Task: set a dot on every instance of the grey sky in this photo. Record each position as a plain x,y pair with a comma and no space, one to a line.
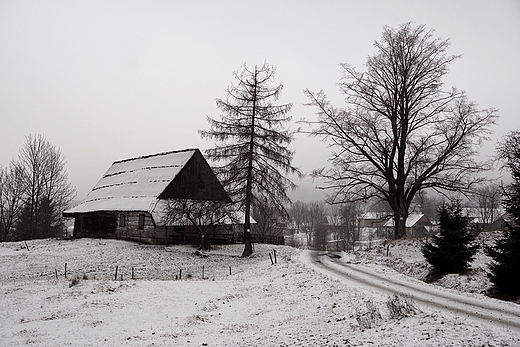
108,80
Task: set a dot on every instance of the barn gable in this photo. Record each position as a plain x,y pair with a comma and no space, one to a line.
196,181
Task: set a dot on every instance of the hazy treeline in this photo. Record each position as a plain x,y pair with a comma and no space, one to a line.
34,190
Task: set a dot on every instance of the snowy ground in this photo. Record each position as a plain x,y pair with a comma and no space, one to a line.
405,257
258,304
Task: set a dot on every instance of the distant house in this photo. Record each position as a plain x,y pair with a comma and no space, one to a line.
500,222
417,225
492,221
372,220
371,224
129,201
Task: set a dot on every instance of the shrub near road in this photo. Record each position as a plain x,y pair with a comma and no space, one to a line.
454,248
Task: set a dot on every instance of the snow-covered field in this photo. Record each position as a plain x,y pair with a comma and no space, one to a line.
257,304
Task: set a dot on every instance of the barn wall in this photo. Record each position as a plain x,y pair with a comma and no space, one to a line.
131,230
189,235
95,224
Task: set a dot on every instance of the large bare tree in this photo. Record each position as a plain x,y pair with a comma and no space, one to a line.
401,132
252,143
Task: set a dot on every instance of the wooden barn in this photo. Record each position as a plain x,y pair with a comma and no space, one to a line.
129,201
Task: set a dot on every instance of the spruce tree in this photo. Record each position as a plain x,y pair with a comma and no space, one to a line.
453,249
505,266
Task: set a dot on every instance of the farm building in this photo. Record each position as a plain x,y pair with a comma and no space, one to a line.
373,220
130,200
417,225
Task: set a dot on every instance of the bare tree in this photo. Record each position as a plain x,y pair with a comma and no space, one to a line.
488,200
270,221
321,233
47,189
297,213
428,205
204,215
350,213
12,188
254,143
401,132
308,216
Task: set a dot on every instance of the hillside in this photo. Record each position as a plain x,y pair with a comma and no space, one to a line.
258,304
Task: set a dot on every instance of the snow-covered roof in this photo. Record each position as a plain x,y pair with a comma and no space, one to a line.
134,184
412,219
371,215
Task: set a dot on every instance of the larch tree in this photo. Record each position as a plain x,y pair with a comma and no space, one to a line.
401,132
251,143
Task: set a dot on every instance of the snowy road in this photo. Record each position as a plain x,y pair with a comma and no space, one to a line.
504,314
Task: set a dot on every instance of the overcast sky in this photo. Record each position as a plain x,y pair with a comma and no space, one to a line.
110,80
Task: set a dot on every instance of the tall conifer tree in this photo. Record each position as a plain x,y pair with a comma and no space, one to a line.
252,141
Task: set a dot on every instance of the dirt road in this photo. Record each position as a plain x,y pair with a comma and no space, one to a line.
504,314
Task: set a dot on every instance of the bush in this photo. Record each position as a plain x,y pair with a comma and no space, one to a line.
401,306
453,249
74,281
369,317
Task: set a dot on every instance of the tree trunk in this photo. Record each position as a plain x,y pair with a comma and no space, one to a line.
400,215
204,243
248,248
